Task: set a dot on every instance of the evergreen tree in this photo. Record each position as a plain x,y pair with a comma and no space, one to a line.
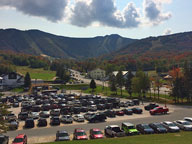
27,80
120,80
128,83
112,83
92,85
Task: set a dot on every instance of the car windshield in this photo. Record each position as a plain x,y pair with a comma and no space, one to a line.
18,140
63,134
97,132
159,126
171,124
81,133
116,129
131,127
186,123
146,126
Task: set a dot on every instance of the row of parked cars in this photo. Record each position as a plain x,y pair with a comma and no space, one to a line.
126,129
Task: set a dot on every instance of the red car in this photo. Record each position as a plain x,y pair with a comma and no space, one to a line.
96,134
159,110
20,139
120,113
79,134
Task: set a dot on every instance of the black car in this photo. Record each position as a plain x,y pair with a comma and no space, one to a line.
108,106
98,117
4,139
158,128
76,110
137,110
36,108
62,136
15,104
23,115
100,106
29,123
55,120
84,109
110,113
144,129
136,101
128,111
151,106
42,122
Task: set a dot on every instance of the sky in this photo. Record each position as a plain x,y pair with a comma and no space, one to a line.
89,18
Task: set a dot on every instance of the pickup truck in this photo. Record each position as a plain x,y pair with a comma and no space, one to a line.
114,131
159,110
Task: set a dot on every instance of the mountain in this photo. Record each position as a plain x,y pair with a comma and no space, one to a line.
156,47
36,42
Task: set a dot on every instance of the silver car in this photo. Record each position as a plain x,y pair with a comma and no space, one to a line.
170,126
79,118
66,119
184,125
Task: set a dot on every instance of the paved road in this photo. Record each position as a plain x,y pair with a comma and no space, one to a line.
179,113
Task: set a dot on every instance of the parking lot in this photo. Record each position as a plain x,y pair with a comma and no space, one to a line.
47,134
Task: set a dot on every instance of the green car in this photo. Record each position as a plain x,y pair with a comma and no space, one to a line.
129,128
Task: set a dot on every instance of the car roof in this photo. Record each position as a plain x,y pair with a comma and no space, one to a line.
180,121
128,124
113,126
168,122
20,136
188,118
96,129
62,131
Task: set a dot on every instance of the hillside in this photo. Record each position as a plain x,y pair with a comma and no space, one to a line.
157,47
36,42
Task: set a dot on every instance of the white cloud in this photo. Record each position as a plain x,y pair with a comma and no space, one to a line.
52,10
167,32
153,11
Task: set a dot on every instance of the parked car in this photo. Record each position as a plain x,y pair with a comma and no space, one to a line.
123,104
159,110
96,134
4,139
137,110
10,116
20,139
114,131
55,112
151,106
42,122
136,101
128,111
110,113
129,128
144,129
189,119
92,108
78,118
13,125
34,115
55,120
23,115
62,136
44,114
29,123
100,106
15,104
170,126
67,119
184,125
119,113
79,134
98,117
84,109
158,127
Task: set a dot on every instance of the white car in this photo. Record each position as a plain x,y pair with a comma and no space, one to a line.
184,125
79,118
66,119
170,126
34,115
189,119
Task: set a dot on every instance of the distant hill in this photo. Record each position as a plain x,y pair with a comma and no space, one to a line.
36,42
156,47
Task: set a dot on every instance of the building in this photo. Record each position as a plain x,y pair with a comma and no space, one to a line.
11,80
125,73
98,74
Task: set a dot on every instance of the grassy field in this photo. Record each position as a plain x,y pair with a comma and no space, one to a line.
73,87
37,73
171,138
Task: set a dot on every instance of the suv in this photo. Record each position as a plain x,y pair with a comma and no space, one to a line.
42,122
20,139
114,131
23,115
98,117
55,120
129,128
150,106
29,123
95,134
62,136
4,139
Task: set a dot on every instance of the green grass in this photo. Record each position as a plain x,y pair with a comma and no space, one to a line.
171,138
72,87
18,90
39,73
